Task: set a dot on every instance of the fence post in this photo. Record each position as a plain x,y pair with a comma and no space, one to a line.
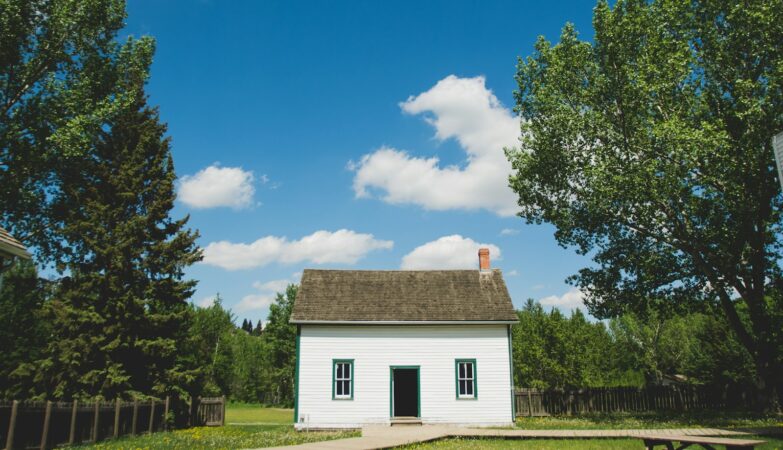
95,421
529,393
152,414
72,434
9,440
223,405
135,416
117,417
45,430
166,414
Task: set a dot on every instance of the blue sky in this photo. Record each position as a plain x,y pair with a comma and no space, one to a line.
304,135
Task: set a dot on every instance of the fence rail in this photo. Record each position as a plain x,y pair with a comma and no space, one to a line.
536,402
28,424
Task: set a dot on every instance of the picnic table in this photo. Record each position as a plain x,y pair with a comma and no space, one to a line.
653,440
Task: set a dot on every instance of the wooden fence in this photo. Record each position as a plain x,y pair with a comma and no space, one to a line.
210,412
26,424
536,402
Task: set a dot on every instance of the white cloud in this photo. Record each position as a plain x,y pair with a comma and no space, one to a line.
217,186
568,301
459,108
274,285
512,273
254,301
322,247
448,252
267,291
509,232
206,302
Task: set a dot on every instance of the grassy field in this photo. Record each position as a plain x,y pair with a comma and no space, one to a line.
253,427
553,444
651,421
248,413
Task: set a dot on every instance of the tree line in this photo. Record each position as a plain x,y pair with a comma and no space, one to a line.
552,350
219,357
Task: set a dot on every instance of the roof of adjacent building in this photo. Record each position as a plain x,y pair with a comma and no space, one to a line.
9,245
391,296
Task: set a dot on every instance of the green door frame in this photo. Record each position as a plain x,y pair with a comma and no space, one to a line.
391,389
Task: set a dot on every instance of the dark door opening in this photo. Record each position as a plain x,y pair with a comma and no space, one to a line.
405,383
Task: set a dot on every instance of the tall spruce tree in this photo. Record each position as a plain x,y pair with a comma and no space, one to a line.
121,315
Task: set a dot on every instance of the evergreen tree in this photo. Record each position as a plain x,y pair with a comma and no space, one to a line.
122,315
259,328
23,334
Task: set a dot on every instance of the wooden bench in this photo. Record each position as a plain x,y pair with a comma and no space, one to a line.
653,440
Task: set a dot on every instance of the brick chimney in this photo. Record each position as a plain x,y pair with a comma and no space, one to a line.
483,254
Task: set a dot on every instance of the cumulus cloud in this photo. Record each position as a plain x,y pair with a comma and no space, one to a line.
322,247
267,291
217,186
462,109
448,252
254,301
568,301
206,302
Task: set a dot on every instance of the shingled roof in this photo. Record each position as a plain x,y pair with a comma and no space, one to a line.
328,296
9,245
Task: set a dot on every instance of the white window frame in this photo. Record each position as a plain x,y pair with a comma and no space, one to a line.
468,378
341,380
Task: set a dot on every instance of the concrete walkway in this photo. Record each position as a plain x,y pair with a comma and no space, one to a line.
377,437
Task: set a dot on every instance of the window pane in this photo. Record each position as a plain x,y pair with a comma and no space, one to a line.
339,388
462,388
339,370
462,370
347,388
470,388
347,370
469,370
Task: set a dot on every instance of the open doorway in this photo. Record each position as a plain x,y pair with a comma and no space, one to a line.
405,391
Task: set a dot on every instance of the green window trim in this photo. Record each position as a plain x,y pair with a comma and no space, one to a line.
335,362
472,361
296,373
391,389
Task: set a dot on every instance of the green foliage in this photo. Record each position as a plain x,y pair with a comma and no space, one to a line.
650,150
24,332
210,345
280,336
246,366
551,350
120,318
62,76
653,345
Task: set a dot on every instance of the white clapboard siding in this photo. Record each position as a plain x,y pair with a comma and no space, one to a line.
375,348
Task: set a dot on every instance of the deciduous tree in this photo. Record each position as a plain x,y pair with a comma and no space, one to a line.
649,150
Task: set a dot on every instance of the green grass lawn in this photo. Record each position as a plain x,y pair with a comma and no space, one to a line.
255,427
554,444
619,421
249,413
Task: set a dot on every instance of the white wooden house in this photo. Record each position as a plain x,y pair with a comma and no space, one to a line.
386,347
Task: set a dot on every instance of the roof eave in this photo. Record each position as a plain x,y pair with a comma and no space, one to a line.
403,322
14,251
